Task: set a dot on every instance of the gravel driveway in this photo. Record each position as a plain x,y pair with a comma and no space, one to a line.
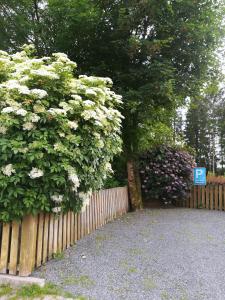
176,254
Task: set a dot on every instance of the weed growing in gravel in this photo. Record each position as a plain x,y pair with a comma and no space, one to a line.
149,284
5,289
135,251
34,291
132,270
58,255
165,296
83,280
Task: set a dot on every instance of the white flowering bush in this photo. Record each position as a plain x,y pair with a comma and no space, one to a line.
58,134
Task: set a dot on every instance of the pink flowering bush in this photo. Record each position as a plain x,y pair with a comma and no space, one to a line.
58,134
166,173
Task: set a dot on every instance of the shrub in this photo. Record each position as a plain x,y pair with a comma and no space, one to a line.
58,134
166,173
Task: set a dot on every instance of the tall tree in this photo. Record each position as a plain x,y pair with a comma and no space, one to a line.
157,52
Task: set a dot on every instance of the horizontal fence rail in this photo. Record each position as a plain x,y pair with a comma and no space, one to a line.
30,243
211,196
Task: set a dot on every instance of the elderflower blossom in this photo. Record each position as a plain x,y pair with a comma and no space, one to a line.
44,73
7,110
35,173
34,118
40,94
28,126
3,130
74,179
90,93
73,124
57,111
85,197
88,103
56,210
8,170
21,112
57,198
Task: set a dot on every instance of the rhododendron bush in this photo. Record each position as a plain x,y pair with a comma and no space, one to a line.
58,134
166,173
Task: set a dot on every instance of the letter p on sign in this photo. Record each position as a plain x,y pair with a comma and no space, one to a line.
199,176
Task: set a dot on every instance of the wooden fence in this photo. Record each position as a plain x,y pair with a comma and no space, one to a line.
211,196
36,239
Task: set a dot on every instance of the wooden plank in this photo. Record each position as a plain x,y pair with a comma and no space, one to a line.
72,241
4,248
203,196
28,245
91,213
45,239
216,197
94,212
104,207
68,229
56,235
207,197
211,197
87,219
220,197
40,239
75,228
199,196
51,236
14,248
78,226
60,233
108,205
64,230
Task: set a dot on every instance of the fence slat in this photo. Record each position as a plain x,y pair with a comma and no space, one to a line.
28,245
4,248
68,230
220,197
40,239
216,196
211,197
45,238
14,248
51,236
56,235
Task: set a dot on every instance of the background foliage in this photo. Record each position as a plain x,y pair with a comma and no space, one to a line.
166,173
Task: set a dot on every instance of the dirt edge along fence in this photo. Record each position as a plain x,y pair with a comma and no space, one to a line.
36,239
211,196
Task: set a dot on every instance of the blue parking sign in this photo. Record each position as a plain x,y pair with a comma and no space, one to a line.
199,176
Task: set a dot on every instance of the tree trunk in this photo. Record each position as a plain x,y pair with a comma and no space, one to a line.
134,185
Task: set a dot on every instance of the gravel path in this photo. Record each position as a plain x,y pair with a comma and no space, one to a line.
158,254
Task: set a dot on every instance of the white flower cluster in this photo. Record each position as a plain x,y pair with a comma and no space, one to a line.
57,198
56,210
8,170
57,111
40,94
28,126
35,173
72,175
73,125
85,197
3,130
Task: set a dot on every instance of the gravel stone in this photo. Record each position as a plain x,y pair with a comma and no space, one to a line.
155,254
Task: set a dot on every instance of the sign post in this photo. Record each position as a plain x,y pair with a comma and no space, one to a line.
199,176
